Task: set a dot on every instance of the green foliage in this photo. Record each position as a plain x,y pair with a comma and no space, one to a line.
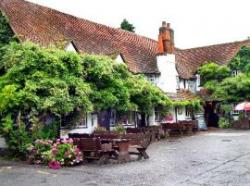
195,104
49,80
241,61
234,89
224,123
115,87
119,129
40,83
16,136
6,33
100,129
212,71
224,87
125,25
55,154
105,79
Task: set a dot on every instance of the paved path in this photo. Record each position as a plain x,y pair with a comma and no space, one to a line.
209,159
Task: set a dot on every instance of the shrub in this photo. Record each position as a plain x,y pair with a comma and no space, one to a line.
224,123
55,155
16,136
100,129
119,129
36,151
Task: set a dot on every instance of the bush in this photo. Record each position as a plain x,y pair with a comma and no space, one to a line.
16,137
36,151
119,129
55,155
100,129
224,123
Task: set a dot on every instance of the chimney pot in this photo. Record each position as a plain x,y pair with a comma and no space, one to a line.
166,39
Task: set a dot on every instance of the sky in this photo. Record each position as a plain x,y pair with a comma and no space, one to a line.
195,22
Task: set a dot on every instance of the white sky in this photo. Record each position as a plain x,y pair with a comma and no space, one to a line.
195,22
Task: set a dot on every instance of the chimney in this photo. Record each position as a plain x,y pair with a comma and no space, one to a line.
165,39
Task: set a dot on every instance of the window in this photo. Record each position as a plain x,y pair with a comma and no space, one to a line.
127,118
158,115
112,117
235,72
131,117
198,80
192,86
184,83
188,111
178,82
76,119
234,112
151,79
179,110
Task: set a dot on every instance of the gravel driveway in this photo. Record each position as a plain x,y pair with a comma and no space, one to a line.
210,158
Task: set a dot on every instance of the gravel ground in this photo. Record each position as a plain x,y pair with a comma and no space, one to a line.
210,158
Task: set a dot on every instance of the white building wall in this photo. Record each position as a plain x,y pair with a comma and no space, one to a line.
167,80
151,119
181,114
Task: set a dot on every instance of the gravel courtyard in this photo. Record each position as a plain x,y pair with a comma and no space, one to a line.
210,158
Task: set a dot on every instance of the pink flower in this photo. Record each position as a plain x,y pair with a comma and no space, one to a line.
70,140
54,151
77,151
66,154
54,165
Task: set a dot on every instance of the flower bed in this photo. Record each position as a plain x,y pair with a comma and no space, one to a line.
54,154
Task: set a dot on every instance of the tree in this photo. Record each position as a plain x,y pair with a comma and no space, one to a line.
241,61
6,33
125,25
115,87
223,86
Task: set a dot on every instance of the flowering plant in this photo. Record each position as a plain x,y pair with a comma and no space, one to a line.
36,151
65,152
57,154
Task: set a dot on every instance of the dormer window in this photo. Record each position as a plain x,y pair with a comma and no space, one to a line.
151,79
70,47
119,59
235,72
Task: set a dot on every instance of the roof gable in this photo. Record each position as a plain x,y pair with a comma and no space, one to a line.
46,26
189,60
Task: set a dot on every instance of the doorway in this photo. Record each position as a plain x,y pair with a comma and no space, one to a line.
211,113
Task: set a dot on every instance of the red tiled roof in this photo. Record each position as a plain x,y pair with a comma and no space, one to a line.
189,60
46,26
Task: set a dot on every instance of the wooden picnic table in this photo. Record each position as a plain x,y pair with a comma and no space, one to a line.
123,149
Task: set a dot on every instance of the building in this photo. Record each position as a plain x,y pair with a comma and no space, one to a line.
172,69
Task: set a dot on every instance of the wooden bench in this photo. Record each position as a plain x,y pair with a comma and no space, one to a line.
93,149
79,135
173,128
155,132
135,130
140,142
188,127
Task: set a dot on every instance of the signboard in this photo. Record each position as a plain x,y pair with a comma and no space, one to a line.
201,121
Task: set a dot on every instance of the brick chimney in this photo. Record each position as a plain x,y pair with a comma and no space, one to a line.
165,39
